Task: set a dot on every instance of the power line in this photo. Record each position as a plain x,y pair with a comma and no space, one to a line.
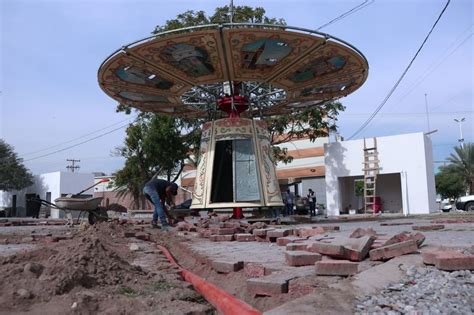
78,138
347,13
401,77
430,70
77,144
466,112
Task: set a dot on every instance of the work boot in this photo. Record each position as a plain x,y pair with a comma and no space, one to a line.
154,225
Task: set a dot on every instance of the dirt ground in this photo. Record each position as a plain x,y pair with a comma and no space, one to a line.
92,270
98,269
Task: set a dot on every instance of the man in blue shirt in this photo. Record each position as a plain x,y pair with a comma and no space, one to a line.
159,191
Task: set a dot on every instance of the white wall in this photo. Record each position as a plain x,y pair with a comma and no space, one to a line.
408,154
57,183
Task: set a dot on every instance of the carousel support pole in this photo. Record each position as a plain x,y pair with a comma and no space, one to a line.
237,213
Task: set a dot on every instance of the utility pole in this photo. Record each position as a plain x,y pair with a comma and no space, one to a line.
461,138
427,112
73,167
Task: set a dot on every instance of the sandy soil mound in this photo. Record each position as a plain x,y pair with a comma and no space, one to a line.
93,272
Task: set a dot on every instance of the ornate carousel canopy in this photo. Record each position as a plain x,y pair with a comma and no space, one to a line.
274,69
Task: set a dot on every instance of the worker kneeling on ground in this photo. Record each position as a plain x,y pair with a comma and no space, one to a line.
158,191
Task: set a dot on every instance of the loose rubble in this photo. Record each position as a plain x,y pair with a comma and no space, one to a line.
423,291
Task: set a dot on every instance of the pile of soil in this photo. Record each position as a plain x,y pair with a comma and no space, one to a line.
94,272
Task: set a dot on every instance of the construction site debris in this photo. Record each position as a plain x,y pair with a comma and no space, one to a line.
449,258
301,258
254,270
360,232
273,284
432,227
227,266
394,250
331,267
423,291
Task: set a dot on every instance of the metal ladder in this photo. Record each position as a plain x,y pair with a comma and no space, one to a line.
371,169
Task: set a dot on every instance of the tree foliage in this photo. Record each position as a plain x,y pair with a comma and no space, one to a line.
13,174
449,183
242,14
154,146
462,163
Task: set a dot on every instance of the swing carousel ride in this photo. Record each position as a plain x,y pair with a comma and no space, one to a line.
247,71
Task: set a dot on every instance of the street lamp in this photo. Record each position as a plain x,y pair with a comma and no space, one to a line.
461,139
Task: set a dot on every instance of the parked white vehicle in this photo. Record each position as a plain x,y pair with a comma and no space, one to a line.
465,203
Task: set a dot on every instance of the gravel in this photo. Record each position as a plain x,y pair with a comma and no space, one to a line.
423,290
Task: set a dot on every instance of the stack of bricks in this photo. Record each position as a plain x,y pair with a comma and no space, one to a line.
449,258
340,256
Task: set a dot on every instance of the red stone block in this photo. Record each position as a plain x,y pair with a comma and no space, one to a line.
405,236
446,258
244,237
329,228
432,227
225,231
128,234
205,233
261,239
143,236
283,241
356,249
261,232
221,238
279,233
301,258
306,232
429,254
297,246
231,224
254,270
336,267
359,232
394,250
454,260
227,266
299,288
332,250
51,239
267,286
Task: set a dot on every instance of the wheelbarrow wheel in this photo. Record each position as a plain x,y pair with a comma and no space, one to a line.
97,215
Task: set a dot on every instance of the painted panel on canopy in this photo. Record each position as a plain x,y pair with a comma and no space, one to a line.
135,75
193,56
150,102
256,54
329,87
327,63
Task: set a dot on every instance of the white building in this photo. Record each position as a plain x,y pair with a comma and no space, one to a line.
406,178
48,187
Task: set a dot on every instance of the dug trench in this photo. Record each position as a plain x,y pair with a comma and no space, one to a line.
327,295
96,270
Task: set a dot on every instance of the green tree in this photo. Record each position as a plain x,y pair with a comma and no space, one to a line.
462,163
242,14
154,146
13,174
449,183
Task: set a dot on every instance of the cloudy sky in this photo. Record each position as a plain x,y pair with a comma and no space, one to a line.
51,50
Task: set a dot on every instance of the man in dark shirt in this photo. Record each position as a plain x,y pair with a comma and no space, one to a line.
158,191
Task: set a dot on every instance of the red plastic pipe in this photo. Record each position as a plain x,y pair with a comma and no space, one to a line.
224,302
